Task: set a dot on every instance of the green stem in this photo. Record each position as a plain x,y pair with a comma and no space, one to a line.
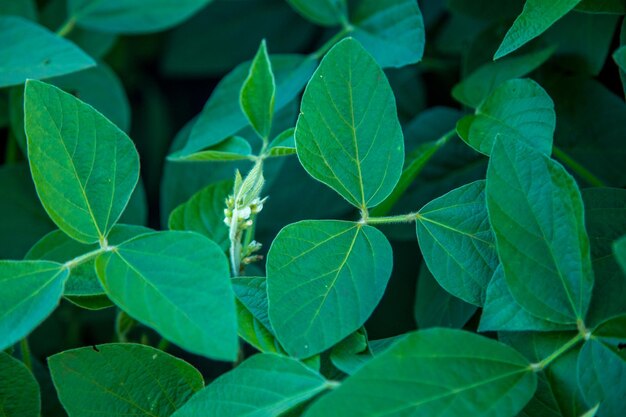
163,345
26,358
402,218
331,42
582,172
567,346
67,27
72,263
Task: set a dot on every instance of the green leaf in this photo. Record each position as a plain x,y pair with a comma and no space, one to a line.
31,290
322,12
435,372
502,312
254,332
31,51
265,384
536,212
602,376
132,16
481,82
252,293
517,111
234,148
619,56
605,220
204,213
457,242
59,247
619,247
259,92
324,279
177,283
348,135
121,380
19,391
435,307
283,144
391,30
84,168
536,17
222,116
24,8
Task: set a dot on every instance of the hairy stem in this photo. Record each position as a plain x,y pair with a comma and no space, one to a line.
401,218
539,366
67,27
73,263
26,358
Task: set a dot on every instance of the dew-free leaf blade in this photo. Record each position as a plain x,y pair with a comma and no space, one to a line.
121,380
322,12
284,144
391,30
435,372
84,167
518,110
132,16
536,212
31,51
348,135
265,384
259,92
457,242
252,292
177,283
536,17
19,391
234,148
324,279
31,290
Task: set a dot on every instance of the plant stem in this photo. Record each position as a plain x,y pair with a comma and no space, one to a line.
26,358
567,346
582,172
331,42
72,263
67,27
402,218
163,344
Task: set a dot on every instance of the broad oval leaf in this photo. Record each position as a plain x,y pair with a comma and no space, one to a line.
179,284
457,242
204,213
435,372
391,30
84,167
536,17
324,279
132,16
58,247
31,290
121,380
259,92
263,385
348,135
19,390
322,12
518,110
31,51
536,212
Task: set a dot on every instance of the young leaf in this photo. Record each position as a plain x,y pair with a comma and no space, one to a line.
322,12
348,135
234,148
84,168
502,312
19,390
265,384
324,279
536,17
480,83
536,212
435,307
31,290
283,144
59,247
602,367
259,92
255,333
222,115
518,110
204,213
457,242
31,51
121,380
132,16
435,372
252,293
391,30
177,283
